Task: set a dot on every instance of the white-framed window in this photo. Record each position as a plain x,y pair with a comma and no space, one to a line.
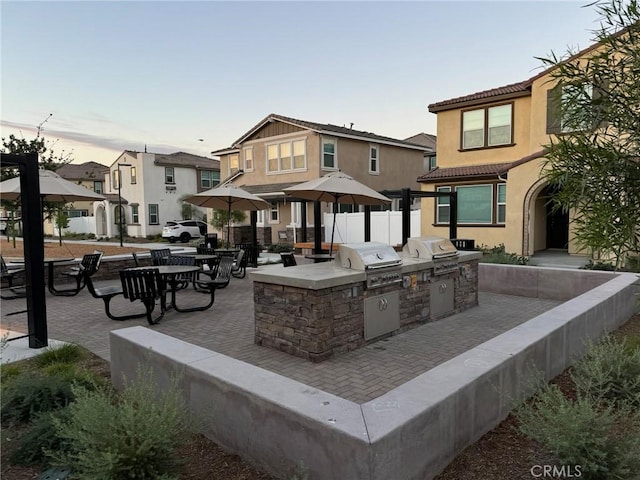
154,214
274,213
98,186
134,177
248,159
443,206
286,156
429,163
115,180
209,178
477,204
169,175
501,203
487,127
374,159
234,163
329,154
75,213
117,211
261,218
135,214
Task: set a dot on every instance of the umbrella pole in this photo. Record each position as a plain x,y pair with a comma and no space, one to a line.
229,226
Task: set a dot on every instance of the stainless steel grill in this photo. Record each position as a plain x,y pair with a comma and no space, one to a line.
379,261
438,249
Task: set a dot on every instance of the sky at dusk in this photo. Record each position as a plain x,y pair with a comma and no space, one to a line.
195,76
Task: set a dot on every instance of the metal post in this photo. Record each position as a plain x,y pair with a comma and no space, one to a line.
303,220
406,214
120,213
367,223
317,231
453,215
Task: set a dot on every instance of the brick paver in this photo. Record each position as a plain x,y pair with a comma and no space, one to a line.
228,328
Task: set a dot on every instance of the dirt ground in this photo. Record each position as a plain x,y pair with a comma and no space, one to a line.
67,249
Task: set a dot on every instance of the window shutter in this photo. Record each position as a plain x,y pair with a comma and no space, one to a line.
554,111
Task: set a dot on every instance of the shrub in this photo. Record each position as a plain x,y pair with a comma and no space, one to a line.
41,435
610,372
67,353
603,441
134,436
9,372
74,373
605,266
280,247
498,254
32,393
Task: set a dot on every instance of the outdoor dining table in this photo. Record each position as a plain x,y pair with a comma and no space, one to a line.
170,273
229,252
320,257
50,262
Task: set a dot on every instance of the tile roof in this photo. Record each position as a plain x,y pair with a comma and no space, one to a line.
182,159
326,128
82,171
269,188
476,172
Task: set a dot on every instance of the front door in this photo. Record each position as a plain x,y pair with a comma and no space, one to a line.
557,228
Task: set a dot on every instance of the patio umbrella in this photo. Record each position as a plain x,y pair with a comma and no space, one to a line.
53,188
337,187
228,197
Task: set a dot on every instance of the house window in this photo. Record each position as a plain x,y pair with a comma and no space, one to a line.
98,187
430,162
571,108
154,214
487,127
248,159
75,213
374,163
114,179
135,214
169,175
329,160
501,203
274,214
209,178
234,163
443,206
477,204
117,210
286,156
134,178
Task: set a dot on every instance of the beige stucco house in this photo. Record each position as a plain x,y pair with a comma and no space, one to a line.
279,152
490,151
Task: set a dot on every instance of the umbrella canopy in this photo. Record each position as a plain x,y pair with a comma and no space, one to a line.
228,197
53,188
337,187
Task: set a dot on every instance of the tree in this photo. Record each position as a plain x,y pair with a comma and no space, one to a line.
593,165
220,219
47,159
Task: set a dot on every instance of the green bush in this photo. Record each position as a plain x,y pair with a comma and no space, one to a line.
498,254
40,436
605,442
605,266
134,435
74,373
31,393
280,247
609,372
67,353
9,372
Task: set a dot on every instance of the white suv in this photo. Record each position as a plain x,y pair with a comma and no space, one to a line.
184,230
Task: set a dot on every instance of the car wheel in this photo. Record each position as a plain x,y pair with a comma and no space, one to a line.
185,237
172,240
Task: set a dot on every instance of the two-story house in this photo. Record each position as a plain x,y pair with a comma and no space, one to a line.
490,151
280,152
149,188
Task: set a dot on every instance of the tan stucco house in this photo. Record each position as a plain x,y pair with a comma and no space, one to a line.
490,151
279,152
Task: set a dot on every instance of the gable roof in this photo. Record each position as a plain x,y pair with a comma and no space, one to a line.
182,159
513,90
321,128
83,171
476,172
424,139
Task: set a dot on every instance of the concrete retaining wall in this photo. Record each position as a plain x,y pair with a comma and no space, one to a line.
411,432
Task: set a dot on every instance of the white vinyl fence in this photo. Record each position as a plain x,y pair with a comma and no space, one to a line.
386,227
79,225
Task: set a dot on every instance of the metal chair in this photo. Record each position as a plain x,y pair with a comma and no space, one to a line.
88,266
288,260
159,256
239,269
136,259
106,294
213,263
7,276
222,275
146,285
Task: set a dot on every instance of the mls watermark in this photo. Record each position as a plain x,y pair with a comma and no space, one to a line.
556,471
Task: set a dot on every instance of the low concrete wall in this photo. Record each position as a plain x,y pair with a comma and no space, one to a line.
411,432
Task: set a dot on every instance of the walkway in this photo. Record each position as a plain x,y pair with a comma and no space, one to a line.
228,328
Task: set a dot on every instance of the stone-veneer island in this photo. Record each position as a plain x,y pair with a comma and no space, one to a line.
316,310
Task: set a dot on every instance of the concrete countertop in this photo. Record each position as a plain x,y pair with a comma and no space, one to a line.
316,276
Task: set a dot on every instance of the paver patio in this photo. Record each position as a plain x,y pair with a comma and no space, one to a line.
228,328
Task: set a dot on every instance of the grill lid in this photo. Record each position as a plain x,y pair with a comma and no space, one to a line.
429,247
368,255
